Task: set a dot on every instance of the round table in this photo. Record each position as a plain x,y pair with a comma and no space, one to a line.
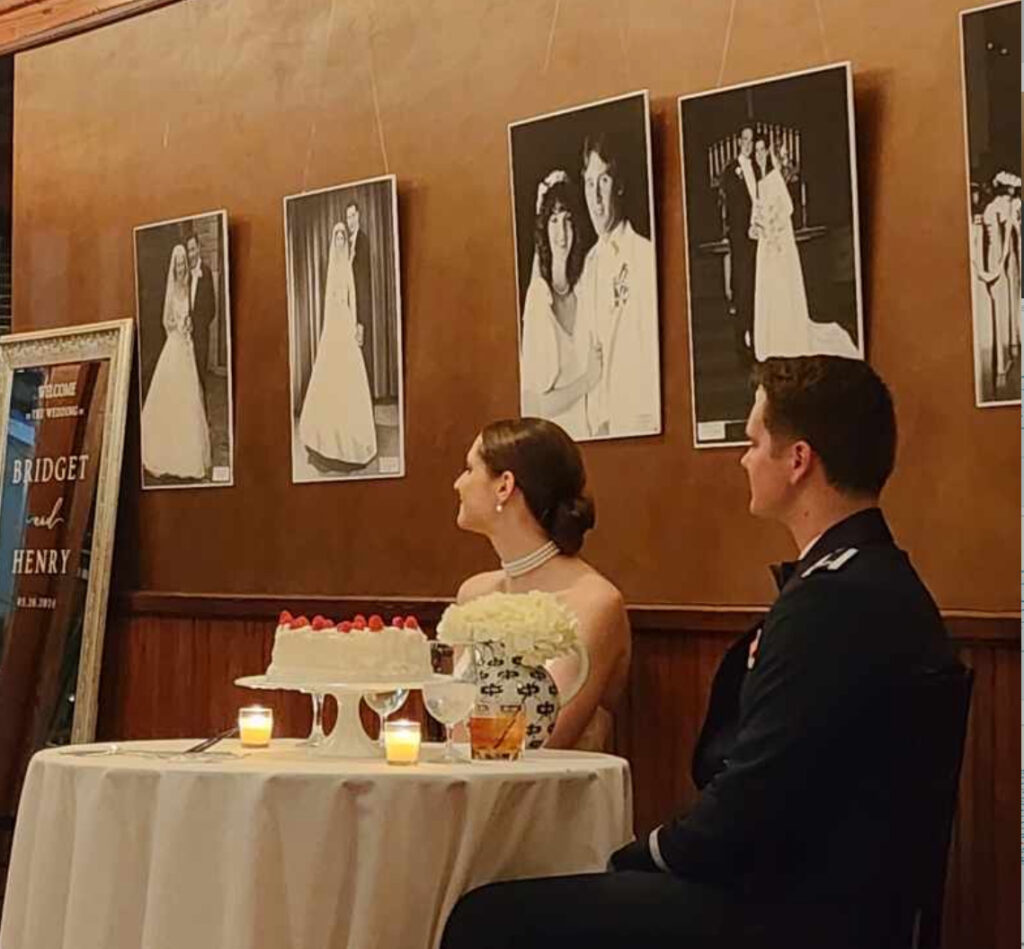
274,848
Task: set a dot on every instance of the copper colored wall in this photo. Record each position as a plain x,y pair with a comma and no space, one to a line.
235,103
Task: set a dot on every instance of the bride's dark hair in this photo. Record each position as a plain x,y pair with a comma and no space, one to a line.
559,197
548,470
770,164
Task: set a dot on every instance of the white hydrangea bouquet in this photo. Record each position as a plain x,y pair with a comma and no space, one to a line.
535,625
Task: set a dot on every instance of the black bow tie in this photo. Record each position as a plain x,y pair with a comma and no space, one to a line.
783,571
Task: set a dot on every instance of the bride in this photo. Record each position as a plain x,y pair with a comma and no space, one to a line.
560,361
175,436
336,422
782,324
523,489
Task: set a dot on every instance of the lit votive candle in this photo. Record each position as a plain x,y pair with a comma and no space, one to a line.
255,724
402,742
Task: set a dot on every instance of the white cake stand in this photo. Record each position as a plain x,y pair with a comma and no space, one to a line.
347,739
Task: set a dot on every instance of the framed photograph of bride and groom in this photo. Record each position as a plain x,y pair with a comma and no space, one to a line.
583,219
345,332
183,310
991,50
769,181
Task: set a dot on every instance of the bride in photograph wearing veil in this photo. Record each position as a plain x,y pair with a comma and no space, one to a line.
175,434
782,323
336,422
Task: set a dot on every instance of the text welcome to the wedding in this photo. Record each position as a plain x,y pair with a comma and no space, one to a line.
43,520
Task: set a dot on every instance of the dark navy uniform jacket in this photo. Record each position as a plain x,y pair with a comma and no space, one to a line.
793,765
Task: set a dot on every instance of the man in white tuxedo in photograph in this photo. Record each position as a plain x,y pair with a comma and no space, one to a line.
618,298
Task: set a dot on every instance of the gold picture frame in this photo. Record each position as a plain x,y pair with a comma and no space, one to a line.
63,402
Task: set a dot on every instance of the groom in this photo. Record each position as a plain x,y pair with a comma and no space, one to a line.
359,254
616,296
739,182
790,843
202,306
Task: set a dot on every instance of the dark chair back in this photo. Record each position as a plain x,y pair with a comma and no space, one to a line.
932,726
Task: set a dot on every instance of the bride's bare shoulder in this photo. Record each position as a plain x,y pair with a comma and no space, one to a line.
480,584
598,593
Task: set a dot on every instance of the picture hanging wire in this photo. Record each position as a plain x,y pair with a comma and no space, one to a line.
728,37
821,30
373,91
311,138
622,29
624,37
551,36
725,44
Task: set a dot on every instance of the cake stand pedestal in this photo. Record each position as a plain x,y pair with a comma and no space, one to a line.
347,739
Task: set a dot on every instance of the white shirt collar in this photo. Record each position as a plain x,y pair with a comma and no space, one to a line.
613,238
746,167
808,548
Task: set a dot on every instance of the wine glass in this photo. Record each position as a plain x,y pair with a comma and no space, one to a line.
451,694
384,704
316,733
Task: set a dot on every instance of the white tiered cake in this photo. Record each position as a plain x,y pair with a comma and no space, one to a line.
359,651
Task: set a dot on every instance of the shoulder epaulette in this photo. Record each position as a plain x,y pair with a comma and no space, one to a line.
833,561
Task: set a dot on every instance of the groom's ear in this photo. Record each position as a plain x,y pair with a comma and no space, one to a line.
802,457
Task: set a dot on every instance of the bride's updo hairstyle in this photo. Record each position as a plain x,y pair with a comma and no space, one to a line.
548,470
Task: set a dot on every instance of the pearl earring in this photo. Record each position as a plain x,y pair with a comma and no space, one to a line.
499,508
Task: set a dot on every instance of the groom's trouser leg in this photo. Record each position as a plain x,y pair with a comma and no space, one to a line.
743,264
596,911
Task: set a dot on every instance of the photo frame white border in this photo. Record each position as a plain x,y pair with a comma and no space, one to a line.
373,476
855,213
230,481
961,20
644,93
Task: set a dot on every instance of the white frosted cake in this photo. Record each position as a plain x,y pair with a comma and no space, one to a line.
357,651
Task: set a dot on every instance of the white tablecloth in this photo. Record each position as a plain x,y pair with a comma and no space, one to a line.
281,850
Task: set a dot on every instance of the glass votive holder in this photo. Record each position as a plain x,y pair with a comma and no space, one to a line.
402,742
255,725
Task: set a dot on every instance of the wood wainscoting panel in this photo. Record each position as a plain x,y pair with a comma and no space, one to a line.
984,868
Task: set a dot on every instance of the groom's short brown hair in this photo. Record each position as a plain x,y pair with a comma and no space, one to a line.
841,408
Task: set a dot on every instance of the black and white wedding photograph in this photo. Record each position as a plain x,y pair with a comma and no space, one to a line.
991,48
184,319
345,332
771,229
583,216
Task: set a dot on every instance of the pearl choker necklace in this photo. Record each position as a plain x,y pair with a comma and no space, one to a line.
523,565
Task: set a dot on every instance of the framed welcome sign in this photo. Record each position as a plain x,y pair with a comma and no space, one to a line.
63,398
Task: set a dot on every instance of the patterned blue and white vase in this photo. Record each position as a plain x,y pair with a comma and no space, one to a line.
508,680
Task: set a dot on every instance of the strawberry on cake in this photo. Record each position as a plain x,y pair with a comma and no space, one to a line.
360,650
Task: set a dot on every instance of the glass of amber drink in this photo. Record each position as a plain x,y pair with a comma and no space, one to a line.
497,732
